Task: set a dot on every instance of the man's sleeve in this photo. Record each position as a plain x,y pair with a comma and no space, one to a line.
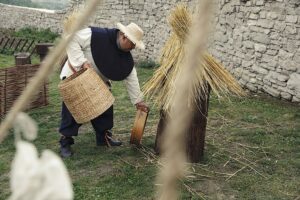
75,52
133,87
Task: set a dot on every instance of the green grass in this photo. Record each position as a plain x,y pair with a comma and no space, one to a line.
9,60
257,138
147,64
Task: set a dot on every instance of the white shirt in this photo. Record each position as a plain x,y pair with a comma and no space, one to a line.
79,51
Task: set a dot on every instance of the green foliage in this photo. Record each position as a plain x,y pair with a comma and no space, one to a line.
7,51
6,61
147,64
45,35
37,35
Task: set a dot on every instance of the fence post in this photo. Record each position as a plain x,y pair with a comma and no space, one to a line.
22,58
42,49
194,134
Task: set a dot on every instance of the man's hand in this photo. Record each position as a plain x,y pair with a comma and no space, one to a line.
86,65
142,106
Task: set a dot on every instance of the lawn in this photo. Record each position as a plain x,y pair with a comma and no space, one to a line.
252,150
9,60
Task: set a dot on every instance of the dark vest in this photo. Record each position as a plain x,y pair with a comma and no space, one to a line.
113,63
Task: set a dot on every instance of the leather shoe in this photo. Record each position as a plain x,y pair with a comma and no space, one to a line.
65,151
109,141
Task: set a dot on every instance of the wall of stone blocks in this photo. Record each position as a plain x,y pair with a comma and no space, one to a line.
257,40
16,17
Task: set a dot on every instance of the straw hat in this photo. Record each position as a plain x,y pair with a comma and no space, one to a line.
134,34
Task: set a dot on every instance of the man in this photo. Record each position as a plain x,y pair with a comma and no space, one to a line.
108,52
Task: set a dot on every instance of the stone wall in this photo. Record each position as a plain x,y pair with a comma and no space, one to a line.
15,17
257,40
148,14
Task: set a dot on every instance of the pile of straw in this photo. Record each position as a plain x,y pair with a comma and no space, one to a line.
210,72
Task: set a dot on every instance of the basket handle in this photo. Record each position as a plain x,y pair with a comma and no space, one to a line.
71,67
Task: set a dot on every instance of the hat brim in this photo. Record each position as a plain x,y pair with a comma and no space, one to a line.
138,44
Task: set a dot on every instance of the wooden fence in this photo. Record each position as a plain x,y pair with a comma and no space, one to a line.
14,44
13,80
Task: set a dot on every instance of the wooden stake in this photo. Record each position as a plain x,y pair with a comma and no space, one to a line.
195,133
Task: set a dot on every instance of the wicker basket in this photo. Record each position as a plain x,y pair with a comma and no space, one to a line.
85,95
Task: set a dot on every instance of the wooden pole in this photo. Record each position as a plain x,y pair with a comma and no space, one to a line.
42,49
195,134
22,58
160,129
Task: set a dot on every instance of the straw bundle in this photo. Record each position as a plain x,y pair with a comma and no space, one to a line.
221,81
161,86
180,20
163,80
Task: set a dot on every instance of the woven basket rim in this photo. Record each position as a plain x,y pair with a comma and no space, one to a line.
80,97
73,76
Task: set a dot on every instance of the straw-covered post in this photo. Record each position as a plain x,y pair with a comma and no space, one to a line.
210,75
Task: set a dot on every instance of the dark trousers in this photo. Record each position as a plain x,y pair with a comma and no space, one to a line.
69,127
